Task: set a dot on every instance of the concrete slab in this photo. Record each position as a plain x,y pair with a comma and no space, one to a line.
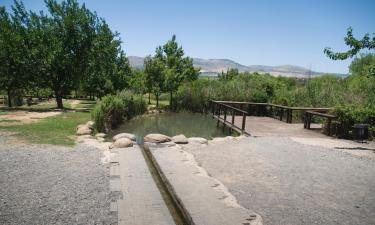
205,199
142,202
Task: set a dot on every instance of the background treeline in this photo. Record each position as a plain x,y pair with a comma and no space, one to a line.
66,49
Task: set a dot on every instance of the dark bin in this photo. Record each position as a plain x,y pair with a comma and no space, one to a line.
360,132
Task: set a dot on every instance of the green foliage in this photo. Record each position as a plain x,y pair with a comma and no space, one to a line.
348,115
68,48
108,113
354,44
113,109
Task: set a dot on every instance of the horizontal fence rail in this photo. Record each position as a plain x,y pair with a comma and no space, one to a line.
221,109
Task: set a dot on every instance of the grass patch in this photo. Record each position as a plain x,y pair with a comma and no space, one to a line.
9,121
57,130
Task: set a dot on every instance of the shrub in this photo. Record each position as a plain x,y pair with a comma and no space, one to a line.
108,113
348,115
113,109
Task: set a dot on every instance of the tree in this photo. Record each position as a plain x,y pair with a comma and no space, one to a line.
138,82
176,67
155,76
363,65
64,38
229,75
355,45
14,51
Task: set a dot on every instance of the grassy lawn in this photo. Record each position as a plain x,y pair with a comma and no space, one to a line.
57,130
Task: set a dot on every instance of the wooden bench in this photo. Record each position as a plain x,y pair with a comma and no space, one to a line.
309,115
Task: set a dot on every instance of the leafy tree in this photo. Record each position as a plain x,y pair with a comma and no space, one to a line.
155,76
355,45
62,40
177,68
13,52
363,65
229,75
138,82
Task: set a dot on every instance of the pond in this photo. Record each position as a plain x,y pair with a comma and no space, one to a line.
189,124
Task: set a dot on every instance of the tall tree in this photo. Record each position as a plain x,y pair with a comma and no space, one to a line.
177,68
14,51
64,37
354,44
154,72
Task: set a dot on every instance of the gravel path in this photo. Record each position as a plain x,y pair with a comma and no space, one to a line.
45,184
289,183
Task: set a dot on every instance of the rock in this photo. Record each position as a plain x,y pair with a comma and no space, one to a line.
240,137
83,130
180,139
124,135
100,135
80,126
197,140
230,138
122,143
156,138
90,124
100,139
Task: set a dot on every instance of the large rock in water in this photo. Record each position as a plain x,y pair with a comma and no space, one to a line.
156,138
180,139
124,135
197,140
122,143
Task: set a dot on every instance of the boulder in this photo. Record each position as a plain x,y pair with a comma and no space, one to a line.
83,130
90,124
122,143
124,135
219,139
198,140
180,139
80,126
157,138
100,139
100,135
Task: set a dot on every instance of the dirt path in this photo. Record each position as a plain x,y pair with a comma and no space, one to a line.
23,117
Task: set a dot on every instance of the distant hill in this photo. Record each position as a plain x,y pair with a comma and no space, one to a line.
211,67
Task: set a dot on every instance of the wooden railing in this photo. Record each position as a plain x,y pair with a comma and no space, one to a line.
221,110
281,110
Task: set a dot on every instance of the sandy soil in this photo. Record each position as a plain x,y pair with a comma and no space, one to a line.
23,117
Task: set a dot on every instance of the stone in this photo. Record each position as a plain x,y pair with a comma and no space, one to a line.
80,126
124,135
100,139
180,139
100,135
83,130
198,140
90,124
219,139
230,138
122,143
157,138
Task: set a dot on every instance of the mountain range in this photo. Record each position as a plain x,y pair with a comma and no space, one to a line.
211,67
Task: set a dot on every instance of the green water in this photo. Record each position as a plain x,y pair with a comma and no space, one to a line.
189,124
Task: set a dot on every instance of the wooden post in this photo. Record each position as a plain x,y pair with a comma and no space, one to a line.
329,126
225,114
243,122
233,115
281,114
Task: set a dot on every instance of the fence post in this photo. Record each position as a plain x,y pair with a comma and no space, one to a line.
243,122
233,115
225,114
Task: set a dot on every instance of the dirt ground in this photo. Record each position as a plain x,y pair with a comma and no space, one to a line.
23,117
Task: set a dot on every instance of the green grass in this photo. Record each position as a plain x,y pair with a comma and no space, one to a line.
9,121
57,130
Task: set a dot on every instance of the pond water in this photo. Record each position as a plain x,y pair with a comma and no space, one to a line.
189,124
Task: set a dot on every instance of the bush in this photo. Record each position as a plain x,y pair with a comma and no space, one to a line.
113,109
108,113
349,115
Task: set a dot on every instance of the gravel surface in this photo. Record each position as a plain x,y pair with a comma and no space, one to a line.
45,184
289,183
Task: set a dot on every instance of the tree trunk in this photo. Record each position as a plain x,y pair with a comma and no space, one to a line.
149,98
157,100
59,99
9,100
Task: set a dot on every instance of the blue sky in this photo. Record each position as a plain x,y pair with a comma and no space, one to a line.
248,31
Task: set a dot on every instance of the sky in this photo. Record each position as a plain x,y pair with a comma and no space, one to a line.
250,32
